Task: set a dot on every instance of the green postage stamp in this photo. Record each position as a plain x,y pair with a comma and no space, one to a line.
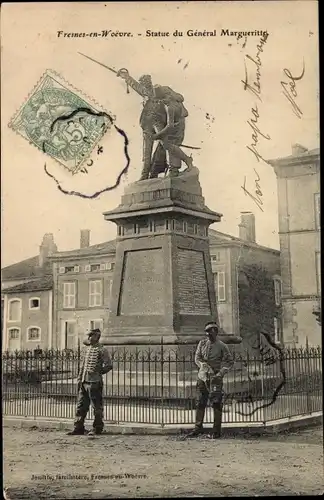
61,122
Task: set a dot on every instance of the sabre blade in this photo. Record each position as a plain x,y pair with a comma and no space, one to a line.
97,62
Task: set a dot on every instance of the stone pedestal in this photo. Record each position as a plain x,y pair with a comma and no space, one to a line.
163,284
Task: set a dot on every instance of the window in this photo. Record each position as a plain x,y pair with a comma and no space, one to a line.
95,293
184,226
136,228
206,231
33,333
317,211
95,267
120,230
110,266
216,256
219,279
69,269
276,330
69,334
69,295
318,271
34,303
196,228
13,333
96,323
277,291
170,224
14,310
152,226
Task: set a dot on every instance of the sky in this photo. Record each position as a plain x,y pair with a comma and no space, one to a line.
208,71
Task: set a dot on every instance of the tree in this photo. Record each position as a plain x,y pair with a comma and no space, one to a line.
257,307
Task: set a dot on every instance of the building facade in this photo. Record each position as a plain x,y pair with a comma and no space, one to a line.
27,300
83,278
28,315
82,285
233,261
79,282
298,180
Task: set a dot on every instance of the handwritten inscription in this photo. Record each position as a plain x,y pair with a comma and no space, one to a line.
290,90
253,123
257,196
254,87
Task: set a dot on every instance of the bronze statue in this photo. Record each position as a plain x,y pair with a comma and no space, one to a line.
163,119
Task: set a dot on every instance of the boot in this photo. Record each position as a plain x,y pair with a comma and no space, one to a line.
216,432
95,431
200,413
76,432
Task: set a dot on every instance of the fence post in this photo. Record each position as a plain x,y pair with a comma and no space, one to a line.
263,393
162,383
78,360
308,370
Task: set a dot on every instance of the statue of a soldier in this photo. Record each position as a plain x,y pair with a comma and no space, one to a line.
162,119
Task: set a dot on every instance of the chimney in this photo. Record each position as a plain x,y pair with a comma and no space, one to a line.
298,149
47,248
247,227
84,238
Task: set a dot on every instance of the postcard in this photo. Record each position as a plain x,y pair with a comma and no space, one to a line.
161,259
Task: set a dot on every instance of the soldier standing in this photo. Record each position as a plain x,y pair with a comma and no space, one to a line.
214,360
95,363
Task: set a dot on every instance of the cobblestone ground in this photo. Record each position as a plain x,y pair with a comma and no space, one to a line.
162,466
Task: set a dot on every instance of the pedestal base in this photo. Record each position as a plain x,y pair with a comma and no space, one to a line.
163,285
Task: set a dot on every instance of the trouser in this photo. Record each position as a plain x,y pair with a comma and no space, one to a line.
89,393
212,389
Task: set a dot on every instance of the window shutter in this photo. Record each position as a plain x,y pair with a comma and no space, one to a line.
102,267
87,268
76,269
62,270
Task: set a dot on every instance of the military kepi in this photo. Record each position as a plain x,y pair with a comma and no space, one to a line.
211,325
92,332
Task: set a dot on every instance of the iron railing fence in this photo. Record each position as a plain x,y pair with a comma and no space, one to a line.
156,385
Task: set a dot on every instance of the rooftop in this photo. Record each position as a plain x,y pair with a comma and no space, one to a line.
26,269
300,154
219,238
29,269
44,283
99,249
109,247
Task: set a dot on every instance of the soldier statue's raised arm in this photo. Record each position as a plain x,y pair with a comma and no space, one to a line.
163,120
